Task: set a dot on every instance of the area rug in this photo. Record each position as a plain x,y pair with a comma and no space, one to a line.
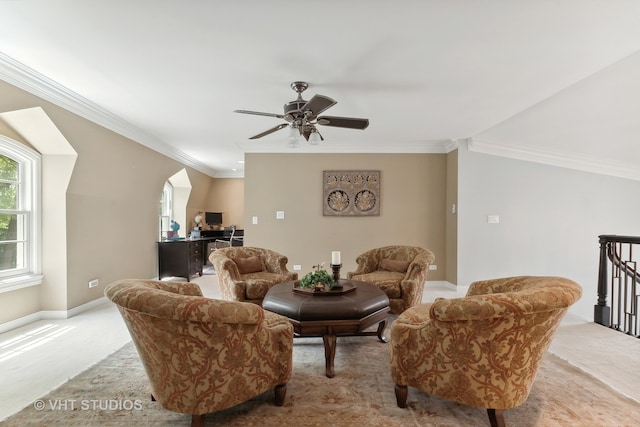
115,392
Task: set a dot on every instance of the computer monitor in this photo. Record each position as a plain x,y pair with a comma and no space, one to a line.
213,218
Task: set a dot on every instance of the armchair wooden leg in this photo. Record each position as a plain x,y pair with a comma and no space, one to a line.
280,392
496,417
197,420
401,395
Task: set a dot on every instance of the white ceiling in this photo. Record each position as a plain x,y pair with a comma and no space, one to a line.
551,81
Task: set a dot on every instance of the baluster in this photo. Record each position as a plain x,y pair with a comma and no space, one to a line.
601,312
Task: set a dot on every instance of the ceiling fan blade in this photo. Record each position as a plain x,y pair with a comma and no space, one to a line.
258,113
343,122
318,104
267,132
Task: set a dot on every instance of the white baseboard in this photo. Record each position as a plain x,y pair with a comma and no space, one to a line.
50,314
449,290
445,284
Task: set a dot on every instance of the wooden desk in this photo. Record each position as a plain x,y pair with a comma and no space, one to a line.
184,258
224,235
181,258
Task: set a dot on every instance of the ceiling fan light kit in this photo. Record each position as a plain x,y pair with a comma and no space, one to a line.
314,138
294,137
302,117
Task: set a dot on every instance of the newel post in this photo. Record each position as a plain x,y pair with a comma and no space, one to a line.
601,312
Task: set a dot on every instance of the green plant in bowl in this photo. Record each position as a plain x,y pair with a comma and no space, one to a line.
318,279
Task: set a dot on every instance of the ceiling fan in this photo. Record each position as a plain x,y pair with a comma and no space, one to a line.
303,116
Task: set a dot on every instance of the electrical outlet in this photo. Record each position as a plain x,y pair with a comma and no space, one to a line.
433,267
297,267
93,283
254,220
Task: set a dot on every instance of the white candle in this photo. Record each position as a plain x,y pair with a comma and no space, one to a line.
335,258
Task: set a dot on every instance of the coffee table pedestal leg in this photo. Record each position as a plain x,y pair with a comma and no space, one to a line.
329,353
380,331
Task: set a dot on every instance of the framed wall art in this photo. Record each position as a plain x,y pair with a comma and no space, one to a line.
351,193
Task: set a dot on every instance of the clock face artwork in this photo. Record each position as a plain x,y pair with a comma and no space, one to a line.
351,193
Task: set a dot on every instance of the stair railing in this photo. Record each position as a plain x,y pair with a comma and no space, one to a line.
619,277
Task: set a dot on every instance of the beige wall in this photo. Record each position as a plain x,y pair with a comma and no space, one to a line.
451,213
111,211
224,195
227,196
413,199
19,303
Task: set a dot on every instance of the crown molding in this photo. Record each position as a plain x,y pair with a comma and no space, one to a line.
450,145
25,78
561,159
425,147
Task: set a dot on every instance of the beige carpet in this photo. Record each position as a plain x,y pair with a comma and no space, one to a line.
115,392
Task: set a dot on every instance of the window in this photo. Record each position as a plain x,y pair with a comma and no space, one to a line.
20,234
166,209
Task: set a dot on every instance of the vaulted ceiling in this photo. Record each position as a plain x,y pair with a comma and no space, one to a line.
549,81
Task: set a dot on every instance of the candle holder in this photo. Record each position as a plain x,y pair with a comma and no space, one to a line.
336,271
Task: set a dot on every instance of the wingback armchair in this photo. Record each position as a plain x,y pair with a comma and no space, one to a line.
203,355
247,273
400,271
483,349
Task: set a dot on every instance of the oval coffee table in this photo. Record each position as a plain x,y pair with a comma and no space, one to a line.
331,316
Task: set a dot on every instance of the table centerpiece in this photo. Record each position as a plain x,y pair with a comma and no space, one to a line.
319,282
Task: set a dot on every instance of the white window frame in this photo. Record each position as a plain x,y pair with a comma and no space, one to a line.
166,209
29,205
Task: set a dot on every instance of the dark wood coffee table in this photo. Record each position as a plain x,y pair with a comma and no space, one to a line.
331,316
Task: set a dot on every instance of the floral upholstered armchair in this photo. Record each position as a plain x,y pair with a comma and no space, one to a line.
203,355
400,271
247,273
483,349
